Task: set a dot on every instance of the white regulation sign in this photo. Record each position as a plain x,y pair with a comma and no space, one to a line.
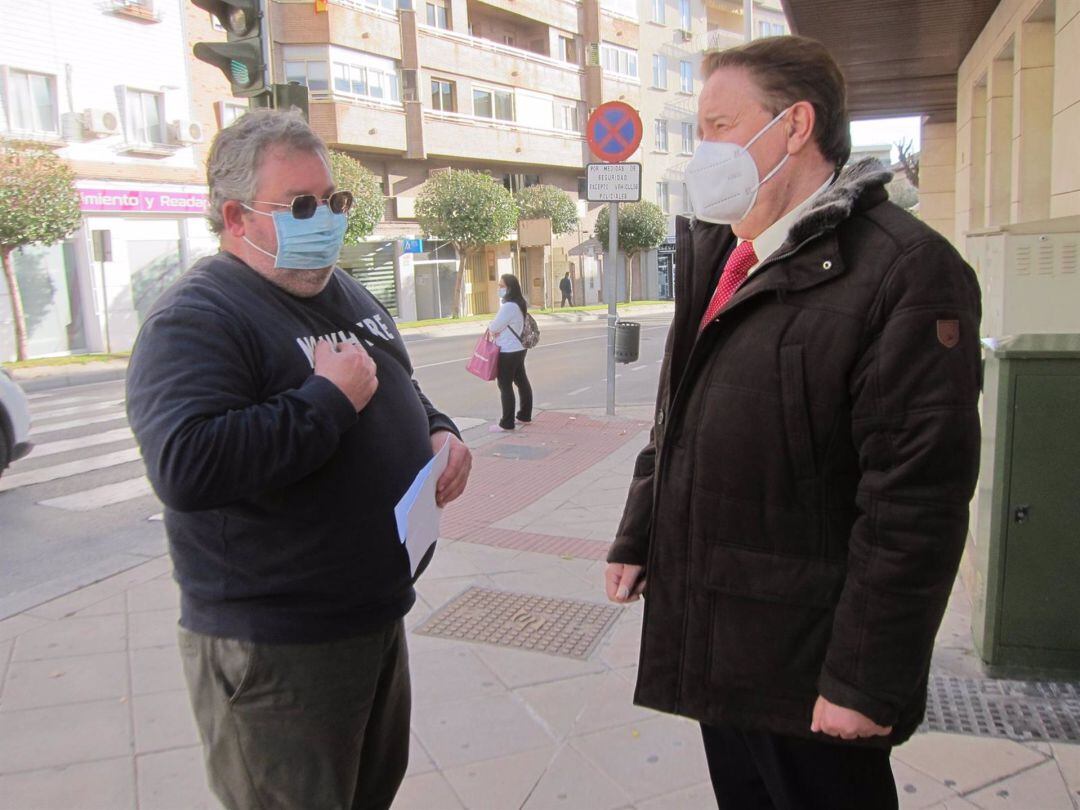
614,182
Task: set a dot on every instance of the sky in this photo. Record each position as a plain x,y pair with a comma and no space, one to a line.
886,130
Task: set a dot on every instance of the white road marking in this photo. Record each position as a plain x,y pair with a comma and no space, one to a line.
45,474
97,406
579,391
93,440
56,427
466,422
639,368
98,497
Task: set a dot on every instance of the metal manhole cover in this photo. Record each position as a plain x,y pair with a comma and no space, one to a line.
568,627
522,452
1017,710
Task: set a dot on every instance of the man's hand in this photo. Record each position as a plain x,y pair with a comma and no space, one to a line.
624,583
848,724
350,368
456,475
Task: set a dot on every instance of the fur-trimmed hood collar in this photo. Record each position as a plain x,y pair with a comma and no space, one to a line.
858,185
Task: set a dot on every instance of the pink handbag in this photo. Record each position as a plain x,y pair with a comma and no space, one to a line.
484,362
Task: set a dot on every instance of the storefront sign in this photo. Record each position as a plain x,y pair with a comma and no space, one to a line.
94,200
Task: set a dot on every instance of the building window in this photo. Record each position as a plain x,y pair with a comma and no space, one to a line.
229,113
567,50
566,116
684,14
443,95
437,14
497,104
33,97
661,135
686,77
361,80
687,138
770,29
516,182
619,60
658,11
311,74
144,117
663,197
659,71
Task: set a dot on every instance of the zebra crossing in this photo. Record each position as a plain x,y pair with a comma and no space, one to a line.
81,436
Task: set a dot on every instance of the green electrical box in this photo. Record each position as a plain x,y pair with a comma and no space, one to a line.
1027,514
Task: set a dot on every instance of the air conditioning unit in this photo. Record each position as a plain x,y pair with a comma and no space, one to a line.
685,35
187,132
101,122
410,84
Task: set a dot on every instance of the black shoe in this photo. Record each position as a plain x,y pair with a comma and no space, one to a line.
523,420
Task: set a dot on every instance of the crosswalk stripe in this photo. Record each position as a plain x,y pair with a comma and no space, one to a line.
93,440
56,427
52,403
98,497
97,406
466,422
44,474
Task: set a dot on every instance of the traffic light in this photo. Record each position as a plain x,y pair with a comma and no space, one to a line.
243,57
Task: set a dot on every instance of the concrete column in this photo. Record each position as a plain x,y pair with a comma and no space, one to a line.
1033,113
999,141
971,163
937,176
1065,185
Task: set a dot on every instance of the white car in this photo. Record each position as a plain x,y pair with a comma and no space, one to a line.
14,421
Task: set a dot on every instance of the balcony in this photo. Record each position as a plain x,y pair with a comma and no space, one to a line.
457,54
561,14
720,39
373,125
464,136
348,23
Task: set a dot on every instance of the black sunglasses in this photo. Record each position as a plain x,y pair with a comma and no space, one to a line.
304,206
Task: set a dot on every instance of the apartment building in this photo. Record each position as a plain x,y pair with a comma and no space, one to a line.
105,85
501,86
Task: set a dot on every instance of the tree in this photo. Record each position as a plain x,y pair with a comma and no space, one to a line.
902,193
909,160
642,227
469,210
39,205
368,205
548,202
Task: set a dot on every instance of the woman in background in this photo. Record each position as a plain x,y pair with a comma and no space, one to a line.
506,328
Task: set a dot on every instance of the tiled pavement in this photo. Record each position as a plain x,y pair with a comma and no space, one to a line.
94,716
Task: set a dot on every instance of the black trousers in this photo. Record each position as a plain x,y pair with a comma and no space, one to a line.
511,373
756,770
302,726
566,300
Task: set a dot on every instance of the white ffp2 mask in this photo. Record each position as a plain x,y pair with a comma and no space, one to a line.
722,178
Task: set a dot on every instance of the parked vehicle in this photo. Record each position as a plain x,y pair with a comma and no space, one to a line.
14,421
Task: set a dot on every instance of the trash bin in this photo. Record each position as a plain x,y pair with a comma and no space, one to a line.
627,341
1026,520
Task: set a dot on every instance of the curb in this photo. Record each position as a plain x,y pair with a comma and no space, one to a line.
64,379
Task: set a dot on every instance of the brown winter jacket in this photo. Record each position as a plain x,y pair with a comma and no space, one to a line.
802,505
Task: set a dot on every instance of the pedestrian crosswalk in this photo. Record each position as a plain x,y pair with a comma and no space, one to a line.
85,457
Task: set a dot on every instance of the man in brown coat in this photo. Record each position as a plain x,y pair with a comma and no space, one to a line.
798,517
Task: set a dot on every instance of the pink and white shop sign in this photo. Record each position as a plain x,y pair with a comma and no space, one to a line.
110,200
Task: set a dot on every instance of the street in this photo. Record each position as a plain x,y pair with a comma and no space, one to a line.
79,508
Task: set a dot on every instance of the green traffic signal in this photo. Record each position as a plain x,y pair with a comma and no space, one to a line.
242,58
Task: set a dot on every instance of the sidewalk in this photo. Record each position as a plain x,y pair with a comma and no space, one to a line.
43,378
94,714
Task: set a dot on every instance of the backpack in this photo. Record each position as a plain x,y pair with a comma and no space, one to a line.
530,334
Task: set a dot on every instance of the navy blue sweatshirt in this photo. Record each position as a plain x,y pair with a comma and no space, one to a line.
279,497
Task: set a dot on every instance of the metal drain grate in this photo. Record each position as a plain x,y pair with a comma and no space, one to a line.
566,627
1017,710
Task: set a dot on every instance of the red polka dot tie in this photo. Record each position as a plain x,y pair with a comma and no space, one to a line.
740,261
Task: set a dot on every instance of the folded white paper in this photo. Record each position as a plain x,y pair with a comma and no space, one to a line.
416,512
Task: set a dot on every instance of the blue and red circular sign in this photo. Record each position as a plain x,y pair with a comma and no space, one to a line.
614,131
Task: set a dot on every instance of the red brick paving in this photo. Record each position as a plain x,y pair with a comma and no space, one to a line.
501,486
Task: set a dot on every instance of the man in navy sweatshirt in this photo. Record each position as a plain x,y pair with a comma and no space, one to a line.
273,400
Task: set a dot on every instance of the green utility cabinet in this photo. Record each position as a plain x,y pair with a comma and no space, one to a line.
1026,612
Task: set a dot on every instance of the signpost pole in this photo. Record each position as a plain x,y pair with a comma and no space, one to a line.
612,294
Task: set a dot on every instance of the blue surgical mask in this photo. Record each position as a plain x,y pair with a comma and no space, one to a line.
502,292
305,244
